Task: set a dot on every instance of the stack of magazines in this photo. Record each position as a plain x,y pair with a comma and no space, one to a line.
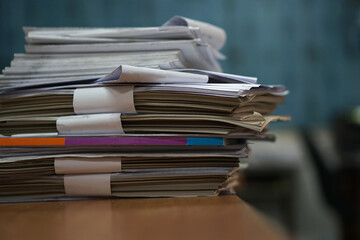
127,112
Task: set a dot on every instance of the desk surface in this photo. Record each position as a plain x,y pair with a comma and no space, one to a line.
225,217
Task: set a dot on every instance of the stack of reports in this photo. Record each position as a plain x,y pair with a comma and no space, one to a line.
71,54
71,128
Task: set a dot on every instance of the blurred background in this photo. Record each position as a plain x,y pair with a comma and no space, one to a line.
308,181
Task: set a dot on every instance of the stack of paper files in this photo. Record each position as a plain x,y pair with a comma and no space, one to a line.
151,108
126,131
139,166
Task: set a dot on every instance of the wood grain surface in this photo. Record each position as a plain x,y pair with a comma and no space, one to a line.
225,217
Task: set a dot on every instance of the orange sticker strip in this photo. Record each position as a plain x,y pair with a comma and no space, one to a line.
32,141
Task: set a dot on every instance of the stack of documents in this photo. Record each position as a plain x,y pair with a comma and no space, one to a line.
127,112
60,54
127,166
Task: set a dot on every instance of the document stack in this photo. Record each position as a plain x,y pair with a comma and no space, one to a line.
127,112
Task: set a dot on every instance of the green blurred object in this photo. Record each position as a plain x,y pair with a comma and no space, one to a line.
355,115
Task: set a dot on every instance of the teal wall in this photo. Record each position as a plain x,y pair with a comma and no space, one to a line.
311,46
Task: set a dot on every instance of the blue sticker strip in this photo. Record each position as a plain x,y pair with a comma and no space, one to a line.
211,141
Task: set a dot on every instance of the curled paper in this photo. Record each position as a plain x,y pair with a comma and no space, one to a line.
87,185
212,34
131,74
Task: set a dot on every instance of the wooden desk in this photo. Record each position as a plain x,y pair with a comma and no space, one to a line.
225,217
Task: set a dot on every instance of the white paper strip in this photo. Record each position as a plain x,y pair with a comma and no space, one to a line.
130,74
74,165
220,77
104,100
88,185
90,124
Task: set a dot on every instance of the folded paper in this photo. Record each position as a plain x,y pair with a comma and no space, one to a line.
90,124
104,100
76,165
87,185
